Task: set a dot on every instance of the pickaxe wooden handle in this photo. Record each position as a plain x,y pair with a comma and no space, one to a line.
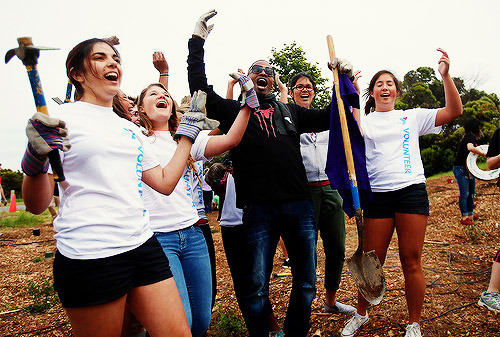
28,54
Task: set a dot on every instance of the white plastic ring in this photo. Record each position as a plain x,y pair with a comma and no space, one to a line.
476,171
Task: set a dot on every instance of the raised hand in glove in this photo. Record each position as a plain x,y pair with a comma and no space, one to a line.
248,94
202,29
195,119
344,66
44,135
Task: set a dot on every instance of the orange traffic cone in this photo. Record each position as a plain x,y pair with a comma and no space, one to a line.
12,207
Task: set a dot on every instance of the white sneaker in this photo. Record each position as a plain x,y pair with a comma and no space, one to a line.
339,308
354,324
413,330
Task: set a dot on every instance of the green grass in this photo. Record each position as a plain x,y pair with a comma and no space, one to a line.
481,163
23,219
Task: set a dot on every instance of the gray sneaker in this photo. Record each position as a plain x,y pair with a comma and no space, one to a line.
413,330
339,308
354,324
490,301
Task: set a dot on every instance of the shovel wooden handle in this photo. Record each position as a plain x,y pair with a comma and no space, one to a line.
347,148
345,131
41,106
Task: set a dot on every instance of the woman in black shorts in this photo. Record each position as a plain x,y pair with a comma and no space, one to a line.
107,256
397,180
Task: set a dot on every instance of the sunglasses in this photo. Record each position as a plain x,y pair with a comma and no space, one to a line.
257,69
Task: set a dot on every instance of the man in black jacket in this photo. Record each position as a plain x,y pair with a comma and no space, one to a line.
271,187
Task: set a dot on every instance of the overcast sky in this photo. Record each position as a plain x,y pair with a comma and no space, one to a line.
373,35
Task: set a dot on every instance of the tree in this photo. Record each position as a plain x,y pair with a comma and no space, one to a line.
419,95
290,60
11,180
425,75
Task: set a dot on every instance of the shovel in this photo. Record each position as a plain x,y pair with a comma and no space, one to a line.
365,268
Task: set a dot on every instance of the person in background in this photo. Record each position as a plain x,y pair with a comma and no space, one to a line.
490,299
397,180
2,194
55,202
208,195
327,201
126,107
466,181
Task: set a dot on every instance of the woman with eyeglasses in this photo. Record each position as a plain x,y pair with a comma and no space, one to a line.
397,180
327,202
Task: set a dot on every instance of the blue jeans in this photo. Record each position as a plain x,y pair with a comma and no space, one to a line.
263,224
467,187
187,254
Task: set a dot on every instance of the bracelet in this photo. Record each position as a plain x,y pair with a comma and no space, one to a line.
165,74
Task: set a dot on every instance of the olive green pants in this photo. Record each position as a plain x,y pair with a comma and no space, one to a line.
330,219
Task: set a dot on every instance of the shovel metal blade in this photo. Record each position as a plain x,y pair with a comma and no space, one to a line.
367,272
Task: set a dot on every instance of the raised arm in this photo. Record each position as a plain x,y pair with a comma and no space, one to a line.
493,162
45,134
219,144
283,89
453,107
160,63
230,85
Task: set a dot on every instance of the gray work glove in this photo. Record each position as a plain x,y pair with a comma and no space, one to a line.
44,135
248,94
344,66
195,119
202,29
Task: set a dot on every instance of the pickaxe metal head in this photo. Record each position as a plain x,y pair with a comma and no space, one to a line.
27,52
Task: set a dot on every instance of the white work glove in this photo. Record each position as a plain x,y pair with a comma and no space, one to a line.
195,119
343,65
201,29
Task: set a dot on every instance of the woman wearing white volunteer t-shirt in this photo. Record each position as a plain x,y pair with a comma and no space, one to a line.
173,218
107,256
397,180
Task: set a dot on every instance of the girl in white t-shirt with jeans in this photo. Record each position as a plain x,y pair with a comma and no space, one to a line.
107,256
174,218
397,180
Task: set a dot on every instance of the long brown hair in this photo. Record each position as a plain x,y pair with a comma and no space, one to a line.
78,62
173,122
144,119
370,101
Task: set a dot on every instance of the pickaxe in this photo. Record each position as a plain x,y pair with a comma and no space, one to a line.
29,54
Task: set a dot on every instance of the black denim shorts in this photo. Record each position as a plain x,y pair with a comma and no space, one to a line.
410,200
81,283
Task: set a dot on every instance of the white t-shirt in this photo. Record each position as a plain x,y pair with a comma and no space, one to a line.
393,157
177,210
196,183
231,215
101,212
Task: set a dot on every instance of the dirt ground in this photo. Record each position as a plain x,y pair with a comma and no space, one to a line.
456,270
